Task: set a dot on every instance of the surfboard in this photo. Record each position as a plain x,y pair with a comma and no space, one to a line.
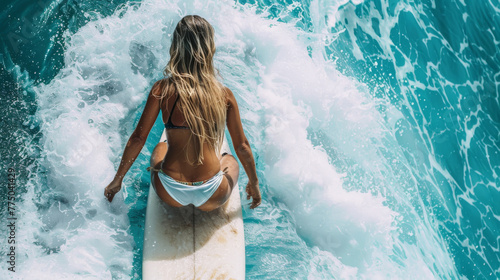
187,243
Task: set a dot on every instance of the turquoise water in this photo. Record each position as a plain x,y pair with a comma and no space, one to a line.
375,126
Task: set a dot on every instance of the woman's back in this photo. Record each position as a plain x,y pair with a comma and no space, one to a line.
176,163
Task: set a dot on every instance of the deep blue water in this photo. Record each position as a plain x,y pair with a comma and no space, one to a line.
375,126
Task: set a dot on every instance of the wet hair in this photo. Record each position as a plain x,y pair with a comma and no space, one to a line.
202,98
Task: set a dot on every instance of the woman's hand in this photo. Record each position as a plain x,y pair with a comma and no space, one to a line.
112,189
254,192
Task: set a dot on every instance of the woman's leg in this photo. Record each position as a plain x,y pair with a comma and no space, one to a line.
229,166
159,153
157,157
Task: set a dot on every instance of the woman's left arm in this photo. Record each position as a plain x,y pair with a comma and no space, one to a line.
136,140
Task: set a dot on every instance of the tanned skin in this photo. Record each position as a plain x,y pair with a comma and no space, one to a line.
171,158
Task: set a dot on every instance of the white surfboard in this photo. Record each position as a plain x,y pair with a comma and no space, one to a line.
187,243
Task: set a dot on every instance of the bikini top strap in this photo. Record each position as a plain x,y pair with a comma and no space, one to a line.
173,107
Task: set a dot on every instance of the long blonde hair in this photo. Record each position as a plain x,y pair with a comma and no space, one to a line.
201,96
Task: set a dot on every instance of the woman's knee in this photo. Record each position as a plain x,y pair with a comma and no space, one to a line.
229,161
230,167
159,153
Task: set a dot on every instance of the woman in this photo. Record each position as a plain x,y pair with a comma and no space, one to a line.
196,108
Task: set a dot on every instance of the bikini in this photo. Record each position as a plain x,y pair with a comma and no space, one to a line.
185,193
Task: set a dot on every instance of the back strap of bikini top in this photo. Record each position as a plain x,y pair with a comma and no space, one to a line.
169,123
172,111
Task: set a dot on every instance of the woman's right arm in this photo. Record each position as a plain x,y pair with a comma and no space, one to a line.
242,148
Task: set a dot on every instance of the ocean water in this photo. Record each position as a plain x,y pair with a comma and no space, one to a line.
375,126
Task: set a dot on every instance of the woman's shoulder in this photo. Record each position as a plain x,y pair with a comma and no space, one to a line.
159,87
228,94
